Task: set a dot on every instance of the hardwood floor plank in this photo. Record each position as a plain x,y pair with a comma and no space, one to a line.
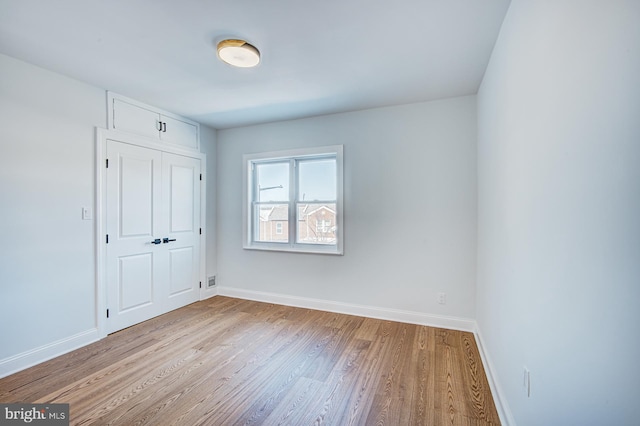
479,406
228,361
341,336
368,329
300,406
448,394
390,398
342,404
423,372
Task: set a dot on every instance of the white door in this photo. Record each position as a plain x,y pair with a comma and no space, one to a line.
181,203
152,219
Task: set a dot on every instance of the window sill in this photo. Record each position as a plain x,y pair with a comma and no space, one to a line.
336,251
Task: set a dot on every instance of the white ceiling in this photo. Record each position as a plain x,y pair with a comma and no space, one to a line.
318,56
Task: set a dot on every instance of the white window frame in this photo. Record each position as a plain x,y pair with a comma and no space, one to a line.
248,195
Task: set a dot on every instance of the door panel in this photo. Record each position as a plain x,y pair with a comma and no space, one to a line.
135,281
182,196
180,276
136,197
180,133
181,190
134,119
133,212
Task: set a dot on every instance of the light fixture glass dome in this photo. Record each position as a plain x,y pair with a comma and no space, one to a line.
238,53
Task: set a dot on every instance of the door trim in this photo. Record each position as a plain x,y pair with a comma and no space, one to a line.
102,135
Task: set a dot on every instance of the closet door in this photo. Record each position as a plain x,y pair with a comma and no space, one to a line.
181,203
135,119
135,269
153,230
179,132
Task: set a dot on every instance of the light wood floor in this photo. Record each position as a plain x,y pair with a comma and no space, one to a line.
228,361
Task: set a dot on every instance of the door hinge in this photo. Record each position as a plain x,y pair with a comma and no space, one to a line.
200,284
107,238
200,231
107,161
200,176
107,313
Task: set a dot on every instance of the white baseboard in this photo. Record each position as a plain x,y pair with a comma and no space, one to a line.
453,323
207,293
44,353
506,418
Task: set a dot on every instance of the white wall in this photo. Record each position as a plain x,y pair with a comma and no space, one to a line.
47,174
559,211
47,278
208,146
410,209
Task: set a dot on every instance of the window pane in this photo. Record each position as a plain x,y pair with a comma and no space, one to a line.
317,180
317,223
272,181
272,223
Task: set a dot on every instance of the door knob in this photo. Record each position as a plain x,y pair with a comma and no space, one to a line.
156,241
167,240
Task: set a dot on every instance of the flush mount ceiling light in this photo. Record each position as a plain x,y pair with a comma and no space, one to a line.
238,53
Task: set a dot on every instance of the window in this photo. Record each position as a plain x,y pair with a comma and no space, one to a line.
293,200
323,226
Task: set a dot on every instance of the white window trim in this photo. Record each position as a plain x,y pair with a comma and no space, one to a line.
292,246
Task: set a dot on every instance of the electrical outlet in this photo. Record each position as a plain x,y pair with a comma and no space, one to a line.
526,382
442,298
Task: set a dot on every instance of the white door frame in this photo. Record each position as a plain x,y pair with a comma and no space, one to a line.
102,135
